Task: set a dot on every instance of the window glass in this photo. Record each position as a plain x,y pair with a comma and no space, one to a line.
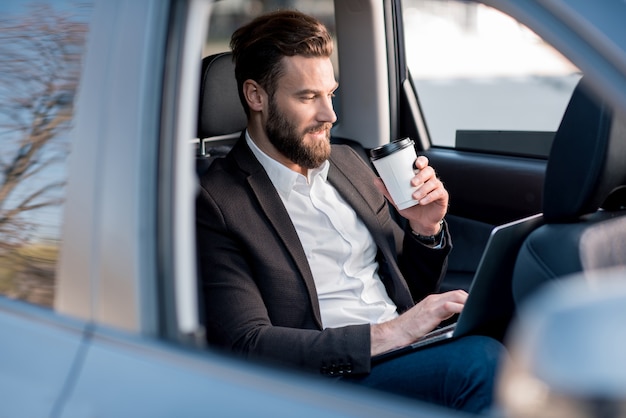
228,15
481,75
41,47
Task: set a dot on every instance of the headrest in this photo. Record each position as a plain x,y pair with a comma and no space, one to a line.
220,111
587,161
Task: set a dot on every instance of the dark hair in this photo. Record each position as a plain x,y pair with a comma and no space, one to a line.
259,46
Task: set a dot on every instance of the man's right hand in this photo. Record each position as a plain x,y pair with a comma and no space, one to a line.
417,321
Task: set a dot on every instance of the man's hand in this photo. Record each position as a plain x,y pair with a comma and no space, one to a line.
417,321
432,196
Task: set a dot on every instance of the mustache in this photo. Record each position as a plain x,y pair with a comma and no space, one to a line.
326,126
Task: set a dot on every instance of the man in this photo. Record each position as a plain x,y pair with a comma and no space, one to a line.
301,261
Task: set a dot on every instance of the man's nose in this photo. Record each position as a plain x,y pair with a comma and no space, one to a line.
326,113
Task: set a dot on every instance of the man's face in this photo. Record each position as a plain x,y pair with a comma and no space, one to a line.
300,112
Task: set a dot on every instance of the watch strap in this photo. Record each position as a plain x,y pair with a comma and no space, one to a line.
430,239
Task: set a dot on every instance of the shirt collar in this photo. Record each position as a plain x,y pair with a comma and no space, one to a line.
282,177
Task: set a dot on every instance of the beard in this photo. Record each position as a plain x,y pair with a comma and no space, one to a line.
288,141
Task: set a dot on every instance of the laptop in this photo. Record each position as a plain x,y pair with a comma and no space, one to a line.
490,305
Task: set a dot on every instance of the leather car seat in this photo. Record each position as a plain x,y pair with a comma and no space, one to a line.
584,198
221,117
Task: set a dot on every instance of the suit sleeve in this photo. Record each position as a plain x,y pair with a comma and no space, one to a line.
423,267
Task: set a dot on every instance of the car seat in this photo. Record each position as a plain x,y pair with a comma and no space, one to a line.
583,198
221,117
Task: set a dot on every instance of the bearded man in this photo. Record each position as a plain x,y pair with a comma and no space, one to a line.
301,262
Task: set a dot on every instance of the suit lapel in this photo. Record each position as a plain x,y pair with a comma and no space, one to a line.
345,180
274,209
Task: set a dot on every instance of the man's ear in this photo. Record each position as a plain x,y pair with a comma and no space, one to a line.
254,94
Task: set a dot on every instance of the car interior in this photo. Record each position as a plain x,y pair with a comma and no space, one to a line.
590,196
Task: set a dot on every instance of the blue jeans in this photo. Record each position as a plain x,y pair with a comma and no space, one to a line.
459,374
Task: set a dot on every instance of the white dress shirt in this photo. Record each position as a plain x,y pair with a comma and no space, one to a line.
340,249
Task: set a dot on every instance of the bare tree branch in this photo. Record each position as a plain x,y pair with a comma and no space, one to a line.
40,53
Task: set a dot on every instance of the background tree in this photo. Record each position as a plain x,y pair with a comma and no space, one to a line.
41,49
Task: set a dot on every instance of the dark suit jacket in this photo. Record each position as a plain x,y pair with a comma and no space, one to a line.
259,294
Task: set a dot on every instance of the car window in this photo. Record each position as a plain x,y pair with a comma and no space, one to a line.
41,47
228,15
484,81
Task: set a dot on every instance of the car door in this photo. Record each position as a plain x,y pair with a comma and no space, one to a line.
41,48
98,311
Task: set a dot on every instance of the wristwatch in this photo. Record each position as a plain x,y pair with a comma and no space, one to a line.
430,239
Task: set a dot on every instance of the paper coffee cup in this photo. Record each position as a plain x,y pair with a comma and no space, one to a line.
395,165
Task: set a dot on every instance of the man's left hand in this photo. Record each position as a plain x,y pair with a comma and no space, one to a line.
424,218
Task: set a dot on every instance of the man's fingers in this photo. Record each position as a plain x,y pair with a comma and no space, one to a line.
420,163
453,307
